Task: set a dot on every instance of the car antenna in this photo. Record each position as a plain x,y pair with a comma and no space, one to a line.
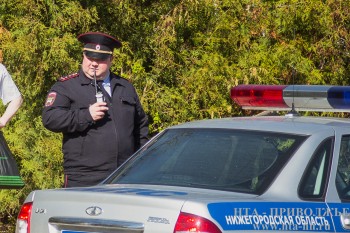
293,112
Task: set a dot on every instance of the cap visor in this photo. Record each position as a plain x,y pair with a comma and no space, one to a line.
97,56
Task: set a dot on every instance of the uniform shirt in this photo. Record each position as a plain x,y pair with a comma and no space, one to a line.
107,85
8,89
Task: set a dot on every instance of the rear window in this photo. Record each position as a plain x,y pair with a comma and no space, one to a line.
219,159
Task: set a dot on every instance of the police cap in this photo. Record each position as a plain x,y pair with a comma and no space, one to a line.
98,45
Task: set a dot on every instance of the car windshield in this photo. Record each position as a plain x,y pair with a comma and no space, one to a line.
219,159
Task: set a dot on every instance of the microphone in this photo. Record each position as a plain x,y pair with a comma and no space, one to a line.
99,95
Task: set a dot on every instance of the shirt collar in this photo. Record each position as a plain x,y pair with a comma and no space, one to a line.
107,80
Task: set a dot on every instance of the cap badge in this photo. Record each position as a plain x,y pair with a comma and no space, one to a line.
98,47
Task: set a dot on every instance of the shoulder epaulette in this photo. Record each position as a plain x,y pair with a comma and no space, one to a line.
65,78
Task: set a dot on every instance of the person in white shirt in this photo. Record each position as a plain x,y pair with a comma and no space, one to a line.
10,96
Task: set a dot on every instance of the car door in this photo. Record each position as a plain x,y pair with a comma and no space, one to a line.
314,211
338,194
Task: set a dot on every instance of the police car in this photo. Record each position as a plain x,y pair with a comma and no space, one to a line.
260,173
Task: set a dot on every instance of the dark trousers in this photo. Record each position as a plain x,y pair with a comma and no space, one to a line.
84,179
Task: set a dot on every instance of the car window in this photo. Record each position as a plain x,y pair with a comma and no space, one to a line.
233,160
343,170
313,184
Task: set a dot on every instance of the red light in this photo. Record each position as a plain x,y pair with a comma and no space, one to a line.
23,219
193,223
258,95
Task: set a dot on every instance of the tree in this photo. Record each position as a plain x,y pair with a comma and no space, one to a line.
183,56
38,46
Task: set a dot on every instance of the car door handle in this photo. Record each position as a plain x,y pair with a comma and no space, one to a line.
345,220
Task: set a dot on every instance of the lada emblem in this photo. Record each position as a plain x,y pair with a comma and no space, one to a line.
94,210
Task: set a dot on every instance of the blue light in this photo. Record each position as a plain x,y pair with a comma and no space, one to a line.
339,97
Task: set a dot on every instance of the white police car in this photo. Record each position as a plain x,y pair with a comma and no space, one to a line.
262,173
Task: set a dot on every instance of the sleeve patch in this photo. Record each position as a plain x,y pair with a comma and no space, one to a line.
50,99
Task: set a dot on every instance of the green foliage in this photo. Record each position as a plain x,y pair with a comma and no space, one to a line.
182,56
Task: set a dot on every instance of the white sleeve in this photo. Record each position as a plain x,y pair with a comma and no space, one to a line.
8,88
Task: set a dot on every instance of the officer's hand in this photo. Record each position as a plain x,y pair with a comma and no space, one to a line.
97,110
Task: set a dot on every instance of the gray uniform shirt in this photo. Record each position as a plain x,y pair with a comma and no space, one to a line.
8,89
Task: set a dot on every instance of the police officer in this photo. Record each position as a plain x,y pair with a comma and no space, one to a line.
97,136
12,97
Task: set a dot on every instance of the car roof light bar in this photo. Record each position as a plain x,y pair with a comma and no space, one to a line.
283,97
258,96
